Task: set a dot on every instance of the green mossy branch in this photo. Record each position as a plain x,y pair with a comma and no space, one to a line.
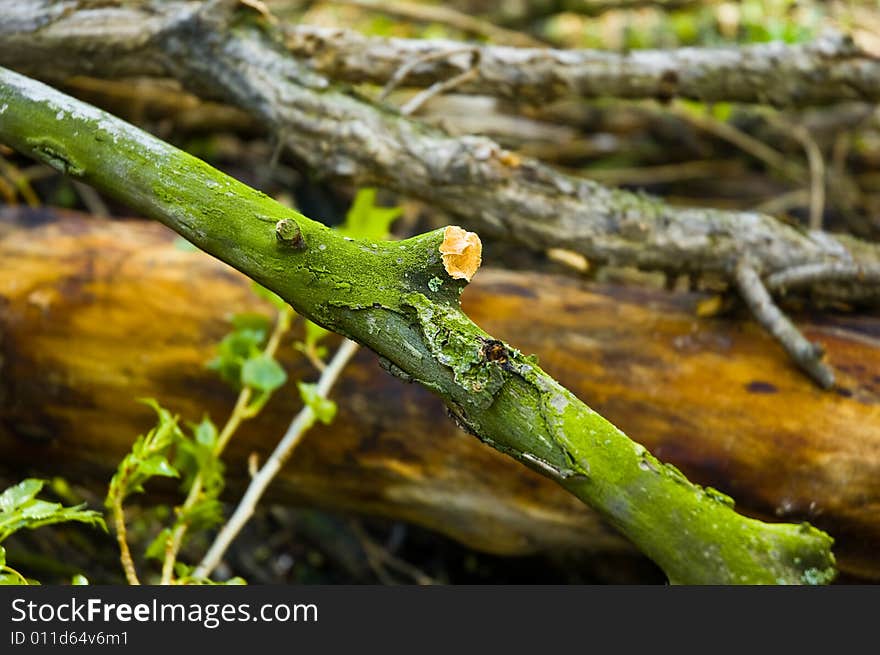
397,299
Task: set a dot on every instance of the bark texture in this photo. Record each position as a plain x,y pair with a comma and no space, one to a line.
336,133
829,70
94,314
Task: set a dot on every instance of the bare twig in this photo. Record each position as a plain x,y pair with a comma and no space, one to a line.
816,163
800,276
301,423
401,73
436,89
447,16
807,355
91,199
7,192
783,202
21,182
378,557
745,142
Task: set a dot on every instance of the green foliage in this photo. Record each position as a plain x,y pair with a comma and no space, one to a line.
263,373
236,348
197,454
310,345
241,359
367,220
20,509
156,548
324,408
148,458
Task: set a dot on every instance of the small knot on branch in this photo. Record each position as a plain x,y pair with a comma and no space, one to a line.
289,234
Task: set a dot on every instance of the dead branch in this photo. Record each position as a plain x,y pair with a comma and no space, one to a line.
831,69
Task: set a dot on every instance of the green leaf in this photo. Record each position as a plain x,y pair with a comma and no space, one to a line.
19,494
271,296
236,581
79,580
205,433
366,220
157,465
39,509
182,570
20,509
263,373
252,321
235,349
147,458
156,548
324,408
314,334
205,514
2,557
197,455
9,579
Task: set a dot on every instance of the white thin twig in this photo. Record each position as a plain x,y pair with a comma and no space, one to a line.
300,425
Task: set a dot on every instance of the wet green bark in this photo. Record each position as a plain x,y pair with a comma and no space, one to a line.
386,296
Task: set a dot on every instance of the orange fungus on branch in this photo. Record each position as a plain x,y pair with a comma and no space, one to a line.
461,251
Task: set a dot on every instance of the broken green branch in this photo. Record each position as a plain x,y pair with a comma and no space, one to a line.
399,299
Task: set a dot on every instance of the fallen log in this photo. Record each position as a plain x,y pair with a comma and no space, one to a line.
95,314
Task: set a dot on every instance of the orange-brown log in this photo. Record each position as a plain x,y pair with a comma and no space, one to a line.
96,314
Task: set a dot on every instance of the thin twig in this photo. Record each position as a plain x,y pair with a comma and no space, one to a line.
378,557
91,199
817,175
401,73
7,192
301,423
808,355
446,16
783,202
745,142
20,181
437,88
241,412
826,272
122,539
